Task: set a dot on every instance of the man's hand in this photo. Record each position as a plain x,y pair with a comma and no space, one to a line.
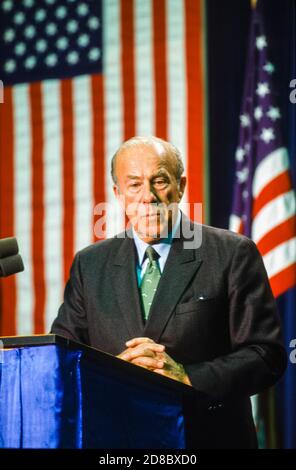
146,353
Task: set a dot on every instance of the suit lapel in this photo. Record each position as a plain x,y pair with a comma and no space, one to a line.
126,288
180,268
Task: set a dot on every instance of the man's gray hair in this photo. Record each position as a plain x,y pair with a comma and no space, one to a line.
150,141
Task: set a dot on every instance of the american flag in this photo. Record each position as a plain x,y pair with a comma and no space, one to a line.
264,200
81,76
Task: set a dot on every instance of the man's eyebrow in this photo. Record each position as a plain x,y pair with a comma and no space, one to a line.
160,173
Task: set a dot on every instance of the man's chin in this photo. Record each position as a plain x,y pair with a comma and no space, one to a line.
152,233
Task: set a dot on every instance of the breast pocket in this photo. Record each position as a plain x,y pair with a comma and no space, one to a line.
195,305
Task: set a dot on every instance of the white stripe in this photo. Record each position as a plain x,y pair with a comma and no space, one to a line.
176,68
113,106
53,200
145,122
234,223
280,258
83,162
272,214
23,208
268,169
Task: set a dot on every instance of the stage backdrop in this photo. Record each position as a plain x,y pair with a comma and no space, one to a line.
80,77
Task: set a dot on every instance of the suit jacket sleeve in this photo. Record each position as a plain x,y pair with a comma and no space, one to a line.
71,321
257,358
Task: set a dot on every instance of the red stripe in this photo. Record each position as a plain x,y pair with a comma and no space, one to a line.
98,143
128,67
160,67
280,185
195,90
8,285
284,280
38,207
68,175
278,235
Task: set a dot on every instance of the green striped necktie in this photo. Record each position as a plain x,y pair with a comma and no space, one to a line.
150,280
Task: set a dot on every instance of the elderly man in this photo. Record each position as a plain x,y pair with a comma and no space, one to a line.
201,313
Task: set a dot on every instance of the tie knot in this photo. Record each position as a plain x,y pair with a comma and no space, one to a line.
151,254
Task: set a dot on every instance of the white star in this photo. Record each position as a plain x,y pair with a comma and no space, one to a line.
94,54
30,31
61,12
247,148
273,113
72,26
73,57
51,29
40,15
245,120
239,154
93,23
50,2
242,175
51,60
261,42
30,62
19,18
41,45
7,6
245,194
269,67
258,113
9,35
10,66
262,89
267,135
20,48
83,40
82,9
28,3
62,43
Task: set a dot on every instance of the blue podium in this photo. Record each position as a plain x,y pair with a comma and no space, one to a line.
55,393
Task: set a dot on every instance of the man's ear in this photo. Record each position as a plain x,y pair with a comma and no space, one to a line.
116,191
119,196
182,186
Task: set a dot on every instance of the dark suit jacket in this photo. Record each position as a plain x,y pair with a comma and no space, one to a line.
213,310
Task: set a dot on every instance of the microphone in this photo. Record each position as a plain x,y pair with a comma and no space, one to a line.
10,260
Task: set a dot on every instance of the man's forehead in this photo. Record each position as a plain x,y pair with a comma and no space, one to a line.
154,148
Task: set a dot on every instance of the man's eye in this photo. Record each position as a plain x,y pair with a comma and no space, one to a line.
160,183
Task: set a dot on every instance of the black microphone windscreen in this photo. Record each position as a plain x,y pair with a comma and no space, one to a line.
11,265
8,247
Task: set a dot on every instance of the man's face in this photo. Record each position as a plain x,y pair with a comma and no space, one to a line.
146,186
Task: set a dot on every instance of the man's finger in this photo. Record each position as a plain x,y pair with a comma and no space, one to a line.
148,362
149,349
135,341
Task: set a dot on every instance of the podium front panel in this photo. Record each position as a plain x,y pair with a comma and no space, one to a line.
52,396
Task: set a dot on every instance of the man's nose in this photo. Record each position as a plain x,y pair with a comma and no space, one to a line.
148,194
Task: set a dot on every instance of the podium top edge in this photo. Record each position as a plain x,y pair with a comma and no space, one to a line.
33,340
